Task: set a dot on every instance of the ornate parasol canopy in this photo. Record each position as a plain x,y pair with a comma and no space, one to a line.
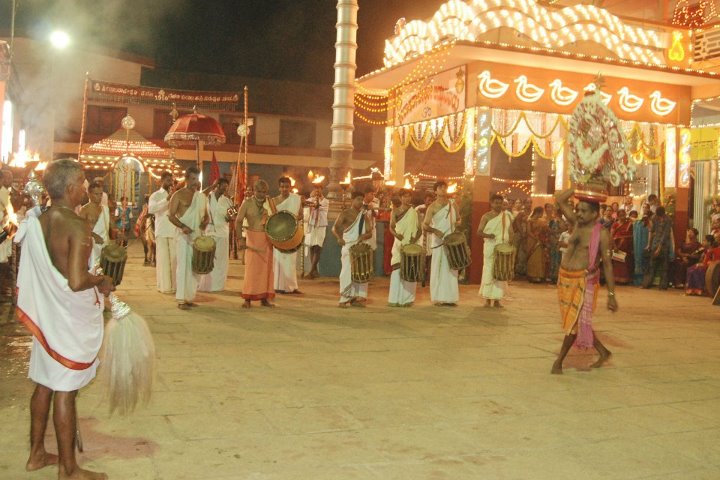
193,129
190,129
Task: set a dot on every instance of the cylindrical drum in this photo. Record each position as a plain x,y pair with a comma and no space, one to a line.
203,259
412,262
712,277
112,261
361,262
284,231
504,262
457,250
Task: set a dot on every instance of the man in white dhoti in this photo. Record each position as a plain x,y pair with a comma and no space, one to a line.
495,228
405,227
188,212
6,180
422,210
219,229
316,227
350,228
98,217
285,264
441,219
165,258
61,303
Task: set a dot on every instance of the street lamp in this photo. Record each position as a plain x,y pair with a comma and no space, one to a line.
59,39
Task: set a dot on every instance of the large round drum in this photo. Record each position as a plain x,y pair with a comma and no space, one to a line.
712,278
112,261
361,262
457,250
504,262
203,259
284,231
412,262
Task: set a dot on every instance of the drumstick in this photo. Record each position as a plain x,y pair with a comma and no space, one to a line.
254,249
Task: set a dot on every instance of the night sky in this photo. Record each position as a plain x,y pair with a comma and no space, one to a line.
280,39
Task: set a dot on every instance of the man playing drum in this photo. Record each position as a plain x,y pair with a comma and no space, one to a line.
578,280
285,264
496,229
188,212
60,302
317,222
219,229
441,218
405,227
351,227
98,217
258,281
165,258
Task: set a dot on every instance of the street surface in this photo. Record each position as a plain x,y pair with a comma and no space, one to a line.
310,391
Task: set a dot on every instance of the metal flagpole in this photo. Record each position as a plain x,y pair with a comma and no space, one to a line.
247,133
84,115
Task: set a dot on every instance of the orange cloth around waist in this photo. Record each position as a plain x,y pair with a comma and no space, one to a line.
258,282
571,295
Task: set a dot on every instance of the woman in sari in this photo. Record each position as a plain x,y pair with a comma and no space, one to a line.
695,279
641,230
520,227
687,256
535,246
622,240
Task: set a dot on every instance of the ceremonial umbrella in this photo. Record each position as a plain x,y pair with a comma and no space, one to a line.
193,128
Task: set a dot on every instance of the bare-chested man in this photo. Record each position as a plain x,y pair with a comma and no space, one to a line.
188,212
354,225
98,217
60,302
578,281
258,281
441,218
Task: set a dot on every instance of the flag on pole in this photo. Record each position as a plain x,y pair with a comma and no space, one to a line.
214,170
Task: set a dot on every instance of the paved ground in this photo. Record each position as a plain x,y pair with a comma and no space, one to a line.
309,391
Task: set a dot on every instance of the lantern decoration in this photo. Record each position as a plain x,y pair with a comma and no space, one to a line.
598,149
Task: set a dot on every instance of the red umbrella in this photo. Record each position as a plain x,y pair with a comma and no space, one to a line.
193,128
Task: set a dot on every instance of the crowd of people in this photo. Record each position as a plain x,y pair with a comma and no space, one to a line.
644,250
60,294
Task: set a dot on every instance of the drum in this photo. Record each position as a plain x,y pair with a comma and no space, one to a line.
504,262
361,263
284,231
412,262
112,261
203,259
712,278
457,250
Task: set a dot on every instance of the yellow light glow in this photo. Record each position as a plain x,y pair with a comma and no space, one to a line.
407,185
318,179
452,188
676,52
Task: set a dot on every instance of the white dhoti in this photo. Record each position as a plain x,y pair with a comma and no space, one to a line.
219,229
285,271
187,281
101,229
67,326
443,280
491,289
285,264
215,280
402,292
165,264
350,290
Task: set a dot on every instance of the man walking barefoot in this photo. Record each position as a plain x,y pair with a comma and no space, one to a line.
578,280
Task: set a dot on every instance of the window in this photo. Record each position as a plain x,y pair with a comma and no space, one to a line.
162,121
297,133
104,120
230,125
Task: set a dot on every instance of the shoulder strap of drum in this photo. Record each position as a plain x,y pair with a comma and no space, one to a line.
273,207
504,218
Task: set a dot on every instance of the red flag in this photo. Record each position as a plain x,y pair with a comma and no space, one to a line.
214,170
